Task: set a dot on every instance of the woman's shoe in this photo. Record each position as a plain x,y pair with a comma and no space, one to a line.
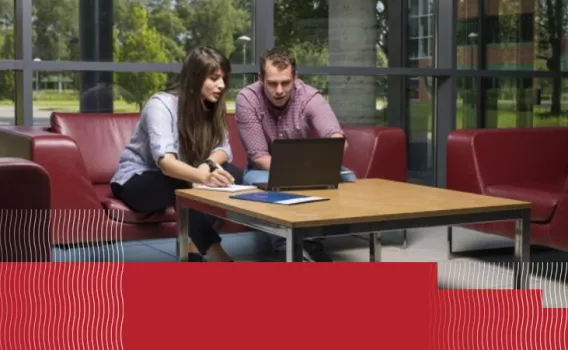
195,257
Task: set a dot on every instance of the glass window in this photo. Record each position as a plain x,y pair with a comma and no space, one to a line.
108,92
517,35
7,97
420,33
354,99
140,31
323,33
7,29
513,102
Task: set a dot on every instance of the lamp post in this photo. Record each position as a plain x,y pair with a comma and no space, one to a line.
37,59
243,39
473,38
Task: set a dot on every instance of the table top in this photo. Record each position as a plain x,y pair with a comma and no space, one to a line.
366,200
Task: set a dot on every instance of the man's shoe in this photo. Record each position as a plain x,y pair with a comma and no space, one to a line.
314,252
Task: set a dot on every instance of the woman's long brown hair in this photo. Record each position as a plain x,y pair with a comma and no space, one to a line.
201,124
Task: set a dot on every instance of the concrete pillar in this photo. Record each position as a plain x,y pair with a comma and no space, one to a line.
352,42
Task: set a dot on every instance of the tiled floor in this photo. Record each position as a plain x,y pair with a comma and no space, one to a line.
481,268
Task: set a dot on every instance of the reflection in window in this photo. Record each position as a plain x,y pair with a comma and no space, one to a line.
517,35
419,130
420,31
309,28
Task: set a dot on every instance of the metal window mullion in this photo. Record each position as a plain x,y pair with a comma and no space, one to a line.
481,64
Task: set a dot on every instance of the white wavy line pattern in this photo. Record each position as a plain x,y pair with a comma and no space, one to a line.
519,321
59,305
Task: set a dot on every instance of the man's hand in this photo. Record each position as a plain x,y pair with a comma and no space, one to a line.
341,136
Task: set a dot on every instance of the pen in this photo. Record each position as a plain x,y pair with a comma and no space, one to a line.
221,168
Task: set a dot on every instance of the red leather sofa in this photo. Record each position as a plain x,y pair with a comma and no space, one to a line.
24,211
81,152
522,164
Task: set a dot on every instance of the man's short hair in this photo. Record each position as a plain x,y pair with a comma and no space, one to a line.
279,57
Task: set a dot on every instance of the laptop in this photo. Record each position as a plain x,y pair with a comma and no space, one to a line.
304,164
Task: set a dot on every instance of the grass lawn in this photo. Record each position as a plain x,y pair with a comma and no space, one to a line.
420,113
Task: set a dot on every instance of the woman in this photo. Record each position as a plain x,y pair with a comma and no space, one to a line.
181,137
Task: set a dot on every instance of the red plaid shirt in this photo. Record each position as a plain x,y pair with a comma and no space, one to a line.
260,123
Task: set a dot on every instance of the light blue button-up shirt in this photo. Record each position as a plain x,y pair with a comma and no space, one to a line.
155,135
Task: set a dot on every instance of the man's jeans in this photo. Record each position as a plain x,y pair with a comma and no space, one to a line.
251,176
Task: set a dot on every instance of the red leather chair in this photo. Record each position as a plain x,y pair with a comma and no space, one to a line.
523,164
81,152
24,211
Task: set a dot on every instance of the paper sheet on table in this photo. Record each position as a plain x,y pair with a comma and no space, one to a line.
230,188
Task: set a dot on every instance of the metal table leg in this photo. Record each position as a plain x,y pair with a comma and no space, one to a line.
294,247
521,267
182,242
450,249
375,246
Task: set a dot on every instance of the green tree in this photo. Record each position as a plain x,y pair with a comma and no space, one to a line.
56,28
142,44
211,22
7,77
170,27
552,21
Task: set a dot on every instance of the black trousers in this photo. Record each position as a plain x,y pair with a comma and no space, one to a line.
153,191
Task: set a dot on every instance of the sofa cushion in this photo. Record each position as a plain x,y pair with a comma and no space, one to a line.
100,138
118,211
239,153
543,198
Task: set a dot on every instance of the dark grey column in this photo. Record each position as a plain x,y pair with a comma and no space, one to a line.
96,44
23,51
263,27
397,56
445,87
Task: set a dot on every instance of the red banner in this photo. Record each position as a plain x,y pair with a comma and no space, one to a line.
263,306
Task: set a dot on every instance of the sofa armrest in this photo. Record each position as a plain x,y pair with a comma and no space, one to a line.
376,152
462,172
24,211
58,154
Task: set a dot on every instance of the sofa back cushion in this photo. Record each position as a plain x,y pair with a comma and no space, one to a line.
239,153
361,142
100,137
522,156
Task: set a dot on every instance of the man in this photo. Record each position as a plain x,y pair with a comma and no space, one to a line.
279,105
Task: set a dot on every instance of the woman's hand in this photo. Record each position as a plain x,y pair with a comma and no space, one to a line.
217,178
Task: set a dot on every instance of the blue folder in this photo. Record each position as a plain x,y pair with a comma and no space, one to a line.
278,198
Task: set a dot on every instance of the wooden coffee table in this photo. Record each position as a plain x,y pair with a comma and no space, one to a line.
366,206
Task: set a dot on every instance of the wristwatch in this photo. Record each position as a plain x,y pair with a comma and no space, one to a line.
212,165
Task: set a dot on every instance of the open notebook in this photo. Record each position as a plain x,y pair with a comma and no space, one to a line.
230,188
